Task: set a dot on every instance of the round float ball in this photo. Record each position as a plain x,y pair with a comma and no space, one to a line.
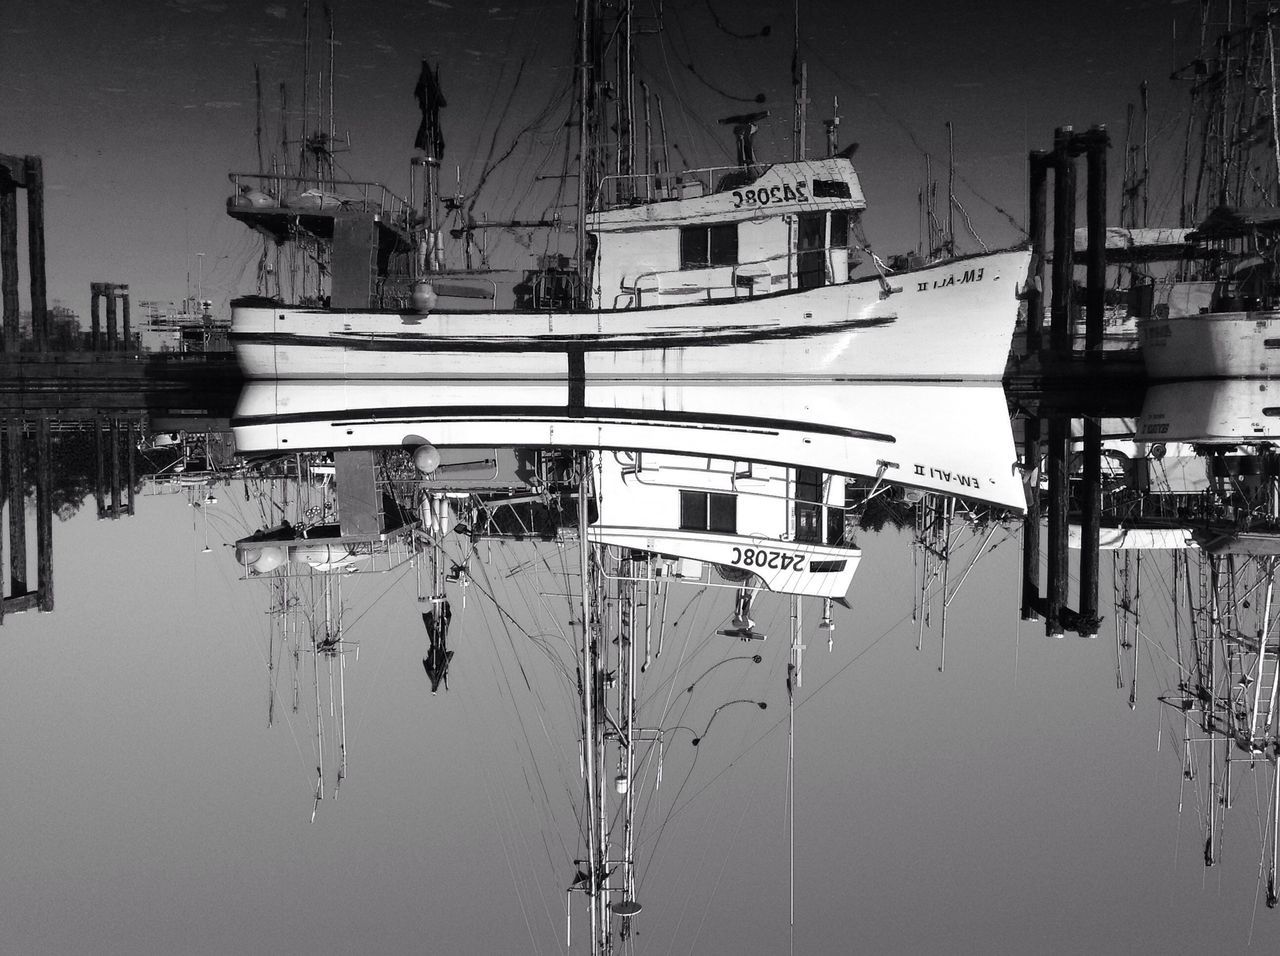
426,459
269,560
424,297
248,556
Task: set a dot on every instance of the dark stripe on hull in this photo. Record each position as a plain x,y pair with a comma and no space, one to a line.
629,342
411,415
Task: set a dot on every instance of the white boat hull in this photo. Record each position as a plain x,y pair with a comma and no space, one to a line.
1212,345
951,321
1211,412
947,438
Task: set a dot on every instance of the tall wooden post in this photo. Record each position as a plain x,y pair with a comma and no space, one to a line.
1096,221
17,508
1059,435
113,338
9,260
34,174
44,516
1064,229
1039,163
1031,520
95,323
126,341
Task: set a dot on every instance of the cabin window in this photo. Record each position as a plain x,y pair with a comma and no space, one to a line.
702,246
831,189
826,567
839,230
708,511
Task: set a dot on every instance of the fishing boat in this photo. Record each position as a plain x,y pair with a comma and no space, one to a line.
1217,312
759,268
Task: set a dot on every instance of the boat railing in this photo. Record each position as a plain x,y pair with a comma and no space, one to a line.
638,188
744,280
367,196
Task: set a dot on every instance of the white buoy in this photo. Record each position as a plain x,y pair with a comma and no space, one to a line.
424,297
269,560
426,459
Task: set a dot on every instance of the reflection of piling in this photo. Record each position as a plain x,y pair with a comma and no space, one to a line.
44,515
100,485
109,480
15,452
1056,460
1090,498
21,597
1031,522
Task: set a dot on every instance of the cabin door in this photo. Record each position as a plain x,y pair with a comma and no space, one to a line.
811,264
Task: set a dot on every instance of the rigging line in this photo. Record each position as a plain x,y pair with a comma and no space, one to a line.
471,724
723,866
853,660
540,710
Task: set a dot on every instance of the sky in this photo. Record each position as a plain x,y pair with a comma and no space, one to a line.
1012,803
140,109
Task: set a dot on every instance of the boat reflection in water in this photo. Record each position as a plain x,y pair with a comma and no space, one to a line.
1195,551
612,498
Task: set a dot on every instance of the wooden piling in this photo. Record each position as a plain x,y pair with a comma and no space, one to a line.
1095,142
1064,228
9,262
95,323
44,515
34,175
1090,525
1039,168
1031,520
17,508
126,338
1059,435
113,337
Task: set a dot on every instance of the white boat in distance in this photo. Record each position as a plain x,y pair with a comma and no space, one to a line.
700,280
945,438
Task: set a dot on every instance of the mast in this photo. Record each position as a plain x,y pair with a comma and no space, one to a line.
586,27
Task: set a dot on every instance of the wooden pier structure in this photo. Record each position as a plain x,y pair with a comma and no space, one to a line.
107,396
1057,380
